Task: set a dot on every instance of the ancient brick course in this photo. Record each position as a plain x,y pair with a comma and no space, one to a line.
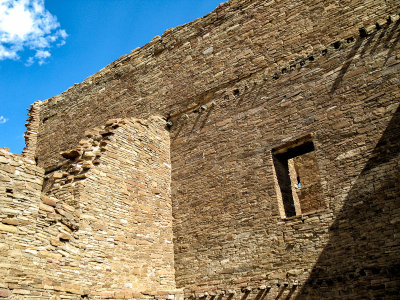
271,173
101,227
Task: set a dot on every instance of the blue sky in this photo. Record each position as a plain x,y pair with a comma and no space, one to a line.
47,46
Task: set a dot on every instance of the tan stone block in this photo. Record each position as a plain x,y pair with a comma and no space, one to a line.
59,288
120,238
13,285
8,228
119,295
111,122
4,293
107,295
128,294
4,160
47,285
74,289
46,207
57,175
48,201
56,242
4,178
71,154
50,255
136,295
64,236
10,221
21,291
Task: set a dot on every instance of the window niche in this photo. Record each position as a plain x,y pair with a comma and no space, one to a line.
297,180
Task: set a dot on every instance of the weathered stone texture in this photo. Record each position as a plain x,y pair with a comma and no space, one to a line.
196,199
103,227
179,70
20,189
231,227
32,128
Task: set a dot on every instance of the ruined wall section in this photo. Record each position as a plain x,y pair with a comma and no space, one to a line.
103,226
187,65
20,190
118,186
127,208
245,79
229,232
31,133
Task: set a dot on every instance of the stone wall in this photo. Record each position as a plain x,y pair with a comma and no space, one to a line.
102,228
20,189
32,128
249,81
188,65
229,231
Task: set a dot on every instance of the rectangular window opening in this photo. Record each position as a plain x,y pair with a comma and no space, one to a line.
297,179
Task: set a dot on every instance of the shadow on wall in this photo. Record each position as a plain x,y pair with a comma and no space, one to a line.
361,259
386,36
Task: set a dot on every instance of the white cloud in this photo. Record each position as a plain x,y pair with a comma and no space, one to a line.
3,120
41,55
26,24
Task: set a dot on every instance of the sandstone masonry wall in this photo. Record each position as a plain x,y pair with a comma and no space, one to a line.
20,189
187,65
230,234
234,86
102,228
32,128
